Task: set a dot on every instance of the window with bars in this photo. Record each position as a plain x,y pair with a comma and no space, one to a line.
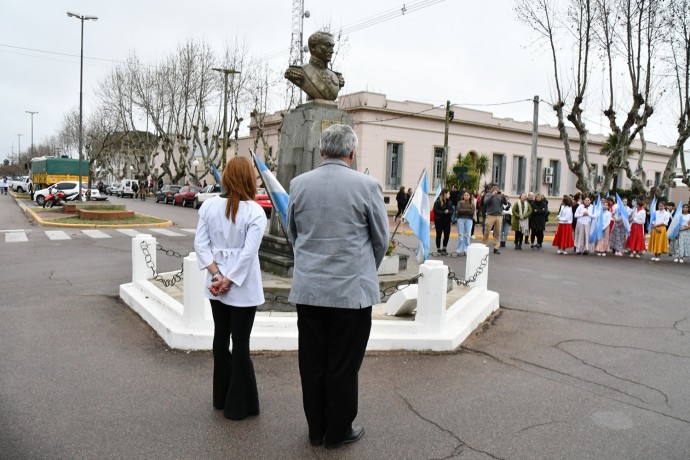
394,165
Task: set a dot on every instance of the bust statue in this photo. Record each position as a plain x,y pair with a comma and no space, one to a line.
315,78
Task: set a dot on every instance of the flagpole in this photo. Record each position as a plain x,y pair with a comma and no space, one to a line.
408,204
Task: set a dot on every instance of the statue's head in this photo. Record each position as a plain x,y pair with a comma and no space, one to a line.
321,45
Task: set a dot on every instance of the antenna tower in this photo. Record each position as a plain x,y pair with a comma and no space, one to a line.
296,47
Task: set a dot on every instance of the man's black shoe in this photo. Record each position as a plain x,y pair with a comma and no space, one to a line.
496,251
316,442
356,432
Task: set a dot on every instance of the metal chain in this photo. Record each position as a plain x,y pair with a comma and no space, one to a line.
466,282
176,278
390,290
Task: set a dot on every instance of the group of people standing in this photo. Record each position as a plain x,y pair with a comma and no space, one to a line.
622,228
335,283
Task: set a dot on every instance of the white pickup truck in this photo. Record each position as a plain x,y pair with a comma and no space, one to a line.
20,185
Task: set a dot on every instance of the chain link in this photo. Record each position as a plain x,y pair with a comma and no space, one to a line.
176,278
466,282
390,290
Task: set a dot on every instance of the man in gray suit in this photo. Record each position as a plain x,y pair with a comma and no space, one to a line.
338,226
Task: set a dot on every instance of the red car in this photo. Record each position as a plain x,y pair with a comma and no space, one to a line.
264,201
186,196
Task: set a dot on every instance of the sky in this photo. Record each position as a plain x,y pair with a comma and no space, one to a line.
473,53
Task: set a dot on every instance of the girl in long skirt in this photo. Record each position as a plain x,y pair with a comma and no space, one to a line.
564,234
635,241
683,241
618,234
583,214
658,241
602,245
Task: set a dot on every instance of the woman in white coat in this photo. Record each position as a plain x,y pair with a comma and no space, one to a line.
227,241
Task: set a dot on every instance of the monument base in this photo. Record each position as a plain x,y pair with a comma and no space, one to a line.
275,256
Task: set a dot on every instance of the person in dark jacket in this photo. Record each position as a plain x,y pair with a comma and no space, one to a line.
442,217
401,198
537,221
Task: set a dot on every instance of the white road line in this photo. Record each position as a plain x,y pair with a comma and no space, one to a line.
95,234
166,232
57,235
129,232
15,237
190,230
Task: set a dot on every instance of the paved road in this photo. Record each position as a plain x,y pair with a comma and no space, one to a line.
589,359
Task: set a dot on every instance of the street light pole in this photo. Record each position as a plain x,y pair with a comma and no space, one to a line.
82,18
226,72
19,146
32,129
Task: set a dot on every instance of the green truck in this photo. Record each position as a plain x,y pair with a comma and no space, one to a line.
46,171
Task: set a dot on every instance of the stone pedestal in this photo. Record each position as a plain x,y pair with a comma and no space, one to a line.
298,153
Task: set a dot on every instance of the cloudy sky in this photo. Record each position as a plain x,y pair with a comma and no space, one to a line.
473,53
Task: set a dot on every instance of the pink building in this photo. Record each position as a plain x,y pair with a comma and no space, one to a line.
398,139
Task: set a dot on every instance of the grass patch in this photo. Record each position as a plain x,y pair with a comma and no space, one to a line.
128,221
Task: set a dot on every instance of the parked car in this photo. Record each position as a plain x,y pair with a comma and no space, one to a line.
186,195
205,194
264,201
69,187
167,193
20,185
113,189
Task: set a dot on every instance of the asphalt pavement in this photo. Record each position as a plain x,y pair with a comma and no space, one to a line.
589,359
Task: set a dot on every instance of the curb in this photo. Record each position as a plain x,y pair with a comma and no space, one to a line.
47,223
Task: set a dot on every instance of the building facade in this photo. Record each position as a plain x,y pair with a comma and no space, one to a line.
399,139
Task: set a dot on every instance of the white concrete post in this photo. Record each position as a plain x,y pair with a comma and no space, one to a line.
193,287
140,271
475,254
431,299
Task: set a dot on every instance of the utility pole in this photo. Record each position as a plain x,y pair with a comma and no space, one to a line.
444,164
225,72
32,130
533,173
19,146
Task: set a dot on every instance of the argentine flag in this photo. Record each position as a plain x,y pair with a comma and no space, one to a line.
276,192
652,215
622,211
674,226
417,216
597,230
216,174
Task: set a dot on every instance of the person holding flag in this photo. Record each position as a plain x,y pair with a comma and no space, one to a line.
635,242
683,242
603,223
621,226
658,241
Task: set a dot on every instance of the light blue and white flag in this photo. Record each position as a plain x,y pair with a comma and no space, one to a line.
622,211
417,216
216,174
674,226
276,192
596,231
438,191
652,215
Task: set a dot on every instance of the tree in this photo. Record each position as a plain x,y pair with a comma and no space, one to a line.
628,36
477,166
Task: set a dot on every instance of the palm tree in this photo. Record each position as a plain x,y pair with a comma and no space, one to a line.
477,166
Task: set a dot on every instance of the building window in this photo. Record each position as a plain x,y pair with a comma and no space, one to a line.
555,185
438,166
394,164
498,170
657,179
519,175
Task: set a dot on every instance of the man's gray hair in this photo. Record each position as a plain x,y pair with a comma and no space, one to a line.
338,141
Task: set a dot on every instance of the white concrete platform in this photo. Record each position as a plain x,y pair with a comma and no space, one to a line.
437,326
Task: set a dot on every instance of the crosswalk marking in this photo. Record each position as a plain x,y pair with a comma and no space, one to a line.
96,234
57,235
129,232
166,232
15,237
190,230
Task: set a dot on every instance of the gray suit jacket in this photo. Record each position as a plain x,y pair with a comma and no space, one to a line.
338,226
